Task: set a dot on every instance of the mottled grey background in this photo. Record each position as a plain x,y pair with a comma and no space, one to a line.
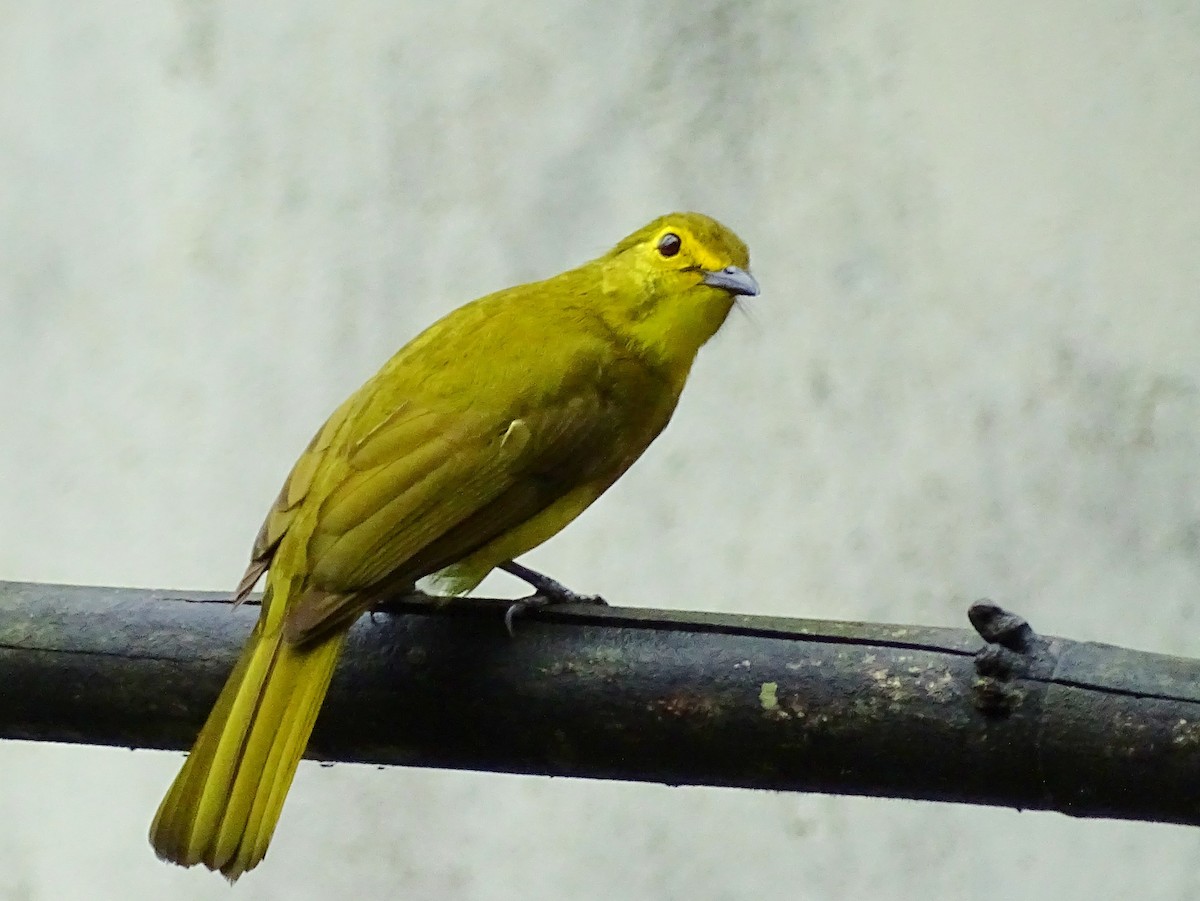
974,370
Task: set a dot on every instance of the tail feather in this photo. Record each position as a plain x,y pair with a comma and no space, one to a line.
223,806
277,776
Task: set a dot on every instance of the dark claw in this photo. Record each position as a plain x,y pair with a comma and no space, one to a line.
397,602
536,601
516,608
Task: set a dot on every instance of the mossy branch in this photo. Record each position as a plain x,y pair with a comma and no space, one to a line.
1018,720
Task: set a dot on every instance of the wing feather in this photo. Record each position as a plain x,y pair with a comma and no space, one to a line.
295,488
461,480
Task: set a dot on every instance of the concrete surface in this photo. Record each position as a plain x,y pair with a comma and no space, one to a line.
974,370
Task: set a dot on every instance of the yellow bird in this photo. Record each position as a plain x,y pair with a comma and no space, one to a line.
477,441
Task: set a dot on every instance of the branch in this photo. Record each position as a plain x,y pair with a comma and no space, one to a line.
647,695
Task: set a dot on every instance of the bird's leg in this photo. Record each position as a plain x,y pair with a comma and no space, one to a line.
546,592
551,591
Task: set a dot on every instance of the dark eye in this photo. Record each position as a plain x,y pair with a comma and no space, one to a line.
669,244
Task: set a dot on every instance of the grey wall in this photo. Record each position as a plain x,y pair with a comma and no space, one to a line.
974,370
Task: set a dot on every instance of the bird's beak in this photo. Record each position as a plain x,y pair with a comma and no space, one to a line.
733,279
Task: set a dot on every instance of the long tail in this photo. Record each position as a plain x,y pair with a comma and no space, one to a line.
223,806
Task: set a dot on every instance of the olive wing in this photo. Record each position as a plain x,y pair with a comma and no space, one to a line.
427,488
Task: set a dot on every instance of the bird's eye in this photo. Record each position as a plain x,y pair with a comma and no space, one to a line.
669,244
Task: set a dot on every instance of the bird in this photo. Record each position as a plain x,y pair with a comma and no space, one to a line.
477,441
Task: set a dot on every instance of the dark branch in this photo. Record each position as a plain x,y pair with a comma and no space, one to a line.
681,698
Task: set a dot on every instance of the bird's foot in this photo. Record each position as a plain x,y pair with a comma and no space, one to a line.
547,592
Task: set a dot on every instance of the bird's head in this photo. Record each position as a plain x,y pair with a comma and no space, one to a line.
670,285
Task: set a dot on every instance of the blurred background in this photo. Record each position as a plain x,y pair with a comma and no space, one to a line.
974,371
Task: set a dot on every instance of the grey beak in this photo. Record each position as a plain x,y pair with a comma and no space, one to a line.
732,279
